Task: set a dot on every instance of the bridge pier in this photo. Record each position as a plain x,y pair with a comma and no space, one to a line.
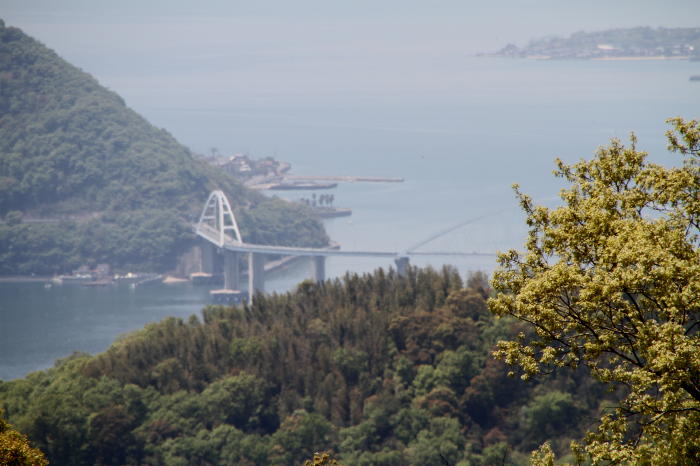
319,268
256,273
232,270
207,263
402,264
207,250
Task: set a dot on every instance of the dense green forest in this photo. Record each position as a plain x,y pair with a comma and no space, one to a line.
95,182
378,369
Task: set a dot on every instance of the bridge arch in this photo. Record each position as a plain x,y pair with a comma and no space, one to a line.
217,222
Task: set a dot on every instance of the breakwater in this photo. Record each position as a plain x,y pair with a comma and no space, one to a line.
347,179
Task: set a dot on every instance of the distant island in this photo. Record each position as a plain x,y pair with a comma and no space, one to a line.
614,44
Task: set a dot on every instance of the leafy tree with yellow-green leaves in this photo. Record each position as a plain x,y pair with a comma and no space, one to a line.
15,449
322,459
610,280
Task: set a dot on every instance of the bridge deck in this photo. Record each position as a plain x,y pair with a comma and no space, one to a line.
296,251
217,224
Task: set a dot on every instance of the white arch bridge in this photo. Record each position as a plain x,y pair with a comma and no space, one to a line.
218,228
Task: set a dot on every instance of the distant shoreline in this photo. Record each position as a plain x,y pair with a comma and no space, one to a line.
616,44
24,279
621,58
659,57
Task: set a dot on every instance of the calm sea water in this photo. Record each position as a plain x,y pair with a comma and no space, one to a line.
459,148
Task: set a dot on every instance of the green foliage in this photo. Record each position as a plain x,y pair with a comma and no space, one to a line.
274,221
441,442
222,445
65,140
378,369
299,435
106,185
547,415
15,449
611,282
236,400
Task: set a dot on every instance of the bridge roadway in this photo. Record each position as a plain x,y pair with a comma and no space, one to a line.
325,252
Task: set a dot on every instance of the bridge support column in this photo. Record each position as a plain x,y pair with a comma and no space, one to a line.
256,273
232,273
207,250
319,268
402,265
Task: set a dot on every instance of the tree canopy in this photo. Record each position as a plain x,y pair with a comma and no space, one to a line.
374,370
610,280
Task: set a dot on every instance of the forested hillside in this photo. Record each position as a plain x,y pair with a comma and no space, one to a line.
378,369
98,182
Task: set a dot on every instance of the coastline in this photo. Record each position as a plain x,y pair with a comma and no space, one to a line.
620,58
25,278
632,58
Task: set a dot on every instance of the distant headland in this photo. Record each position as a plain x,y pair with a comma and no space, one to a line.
640,43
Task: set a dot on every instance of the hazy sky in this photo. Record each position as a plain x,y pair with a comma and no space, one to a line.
162,53
108,38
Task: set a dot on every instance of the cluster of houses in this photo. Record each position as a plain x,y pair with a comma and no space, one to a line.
243,167
84,275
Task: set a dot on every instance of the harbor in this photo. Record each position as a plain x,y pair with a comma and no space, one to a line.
313,182
270,174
